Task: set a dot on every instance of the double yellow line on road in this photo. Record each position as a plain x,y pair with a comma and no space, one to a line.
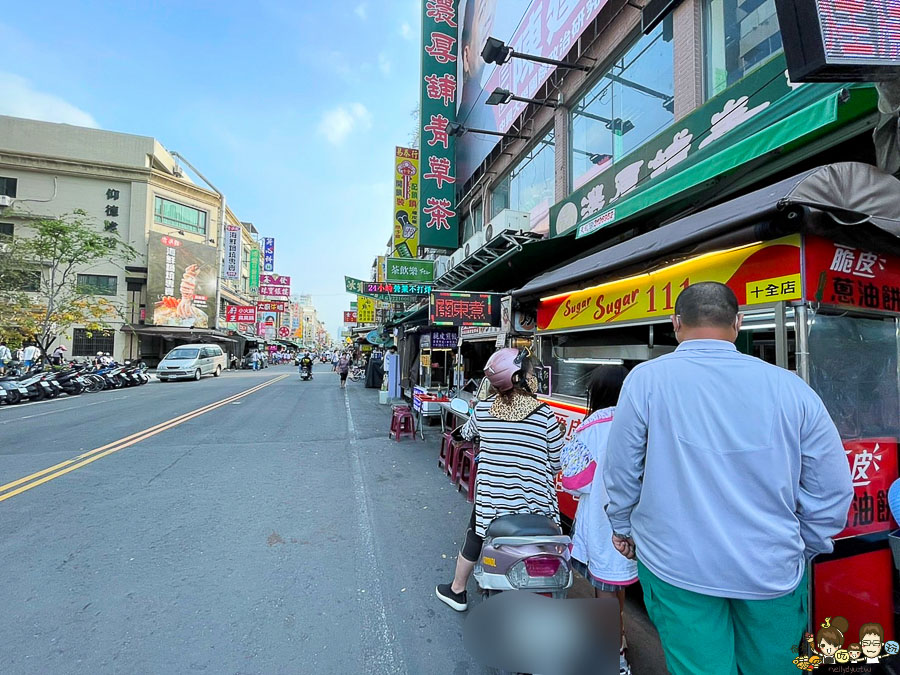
23,484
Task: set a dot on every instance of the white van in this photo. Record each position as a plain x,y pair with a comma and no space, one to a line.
191,361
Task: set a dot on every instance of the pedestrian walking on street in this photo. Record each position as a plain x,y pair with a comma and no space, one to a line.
517,462
254,359
30,355
343,368
593,554
5,357
725,476
334,362
58,355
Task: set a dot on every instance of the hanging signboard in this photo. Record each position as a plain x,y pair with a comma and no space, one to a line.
396,289
275,291
444,339
406,270
464,309
240,314
268,254
350,317
254,270
181,282
840,40
274,280
405,242
844,275
365,312
233,252
437,203
358,287
758,274
274,285
271,306
873,467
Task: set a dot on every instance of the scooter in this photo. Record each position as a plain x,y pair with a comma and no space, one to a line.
305,372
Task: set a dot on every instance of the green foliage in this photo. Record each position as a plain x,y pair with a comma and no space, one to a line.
57,248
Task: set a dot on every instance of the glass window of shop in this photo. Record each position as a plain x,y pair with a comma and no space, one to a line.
630,103
530,185
472,222
180,216
740,35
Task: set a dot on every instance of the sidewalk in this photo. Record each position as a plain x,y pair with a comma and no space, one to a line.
644,650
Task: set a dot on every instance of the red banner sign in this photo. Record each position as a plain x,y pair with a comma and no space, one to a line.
846,275
274,280
271,306
873,467
349,317
275,291
240,314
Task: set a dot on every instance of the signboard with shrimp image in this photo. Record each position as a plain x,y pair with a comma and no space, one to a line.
181,282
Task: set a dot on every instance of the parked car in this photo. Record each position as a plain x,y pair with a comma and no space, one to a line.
191,362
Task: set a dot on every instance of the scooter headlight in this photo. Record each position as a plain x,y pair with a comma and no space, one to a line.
542,571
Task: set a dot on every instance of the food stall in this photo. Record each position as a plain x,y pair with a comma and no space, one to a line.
815,263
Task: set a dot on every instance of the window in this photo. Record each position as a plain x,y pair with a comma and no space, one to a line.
88,343
632,102
6,230
97,284
183,217
740,35
28,281
530,185
8,186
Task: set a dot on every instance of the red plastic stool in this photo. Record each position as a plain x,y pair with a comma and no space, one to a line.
459,448
468,469
402,422
445,457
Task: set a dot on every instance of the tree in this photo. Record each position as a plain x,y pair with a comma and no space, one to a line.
39,297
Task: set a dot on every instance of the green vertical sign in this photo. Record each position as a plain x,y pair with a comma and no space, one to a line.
438,222
254,270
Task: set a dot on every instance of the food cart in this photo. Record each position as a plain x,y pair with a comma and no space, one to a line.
815,263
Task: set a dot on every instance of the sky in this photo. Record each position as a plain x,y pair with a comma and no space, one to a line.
291,107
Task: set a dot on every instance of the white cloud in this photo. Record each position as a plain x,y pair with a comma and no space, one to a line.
19,98
384,64
406,31
361,11
338,123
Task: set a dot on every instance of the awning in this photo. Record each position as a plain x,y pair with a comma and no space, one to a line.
850,192
175,333
786,126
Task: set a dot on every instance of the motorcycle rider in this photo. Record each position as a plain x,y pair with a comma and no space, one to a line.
306,362
518,459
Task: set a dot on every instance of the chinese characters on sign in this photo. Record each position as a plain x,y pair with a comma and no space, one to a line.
405,270
437,200
275,291
272,306
233,252
254,270
396,289
111,210
350,317
268,254
464,309
444,339
240,314
843,275
873,467
274,280
274,285
406,203
365,312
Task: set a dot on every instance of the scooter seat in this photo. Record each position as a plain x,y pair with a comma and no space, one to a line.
522,525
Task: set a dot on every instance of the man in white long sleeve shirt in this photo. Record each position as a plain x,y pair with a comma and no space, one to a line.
726,475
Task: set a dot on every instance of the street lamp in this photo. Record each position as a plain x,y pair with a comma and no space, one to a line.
502,96
617,125
496,51
454,129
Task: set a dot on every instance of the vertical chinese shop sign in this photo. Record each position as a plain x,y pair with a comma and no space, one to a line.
437,203
406,203
254,270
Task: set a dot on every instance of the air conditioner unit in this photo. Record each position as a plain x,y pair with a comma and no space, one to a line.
507,221
457,257
473,243
5,200
441,265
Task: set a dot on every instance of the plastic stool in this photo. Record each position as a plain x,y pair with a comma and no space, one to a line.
468,468
445,457
402,422
459,449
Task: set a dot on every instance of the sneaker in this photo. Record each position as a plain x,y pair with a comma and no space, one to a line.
455,600
624,666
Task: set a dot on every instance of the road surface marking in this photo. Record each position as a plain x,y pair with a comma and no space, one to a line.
53,412
85,458
381,644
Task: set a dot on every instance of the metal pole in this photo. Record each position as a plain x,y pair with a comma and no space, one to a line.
801,333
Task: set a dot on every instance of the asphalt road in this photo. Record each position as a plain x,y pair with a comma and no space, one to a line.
251,523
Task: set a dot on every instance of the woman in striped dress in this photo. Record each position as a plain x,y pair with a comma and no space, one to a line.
517,461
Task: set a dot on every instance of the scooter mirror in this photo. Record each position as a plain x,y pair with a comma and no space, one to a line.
459,406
